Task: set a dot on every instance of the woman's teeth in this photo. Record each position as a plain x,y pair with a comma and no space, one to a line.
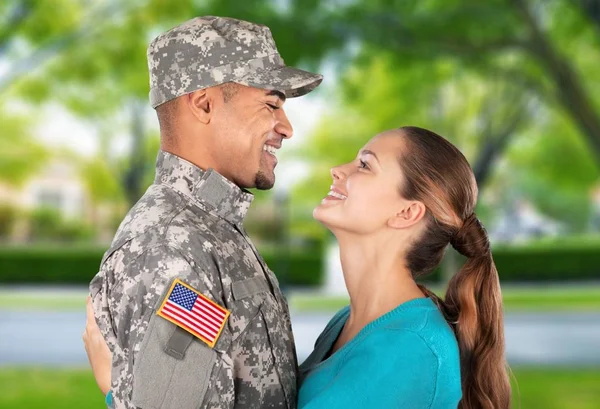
335,194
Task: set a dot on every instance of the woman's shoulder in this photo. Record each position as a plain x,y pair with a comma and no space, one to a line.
418,326
419,346
427,326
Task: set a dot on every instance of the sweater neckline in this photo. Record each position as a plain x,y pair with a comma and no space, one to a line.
381,320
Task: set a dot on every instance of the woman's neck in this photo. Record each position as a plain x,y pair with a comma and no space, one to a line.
377,280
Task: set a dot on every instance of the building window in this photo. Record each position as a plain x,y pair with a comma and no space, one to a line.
49,199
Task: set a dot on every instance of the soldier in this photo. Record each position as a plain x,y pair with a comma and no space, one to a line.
191,312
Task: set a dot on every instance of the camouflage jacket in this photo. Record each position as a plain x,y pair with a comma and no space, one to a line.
188,226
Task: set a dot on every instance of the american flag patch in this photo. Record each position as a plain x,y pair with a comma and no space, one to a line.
190,310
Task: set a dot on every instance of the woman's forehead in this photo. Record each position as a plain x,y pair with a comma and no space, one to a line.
386,144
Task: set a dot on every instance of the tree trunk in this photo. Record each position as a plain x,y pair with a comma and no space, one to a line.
17,16
134,174
591,9
494,143
571,92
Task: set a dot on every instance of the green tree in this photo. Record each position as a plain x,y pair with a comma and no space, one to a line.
93,59
547,47
20,155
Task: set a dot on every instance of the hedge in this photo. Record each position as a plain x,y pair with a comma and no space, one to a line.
548,264
77,265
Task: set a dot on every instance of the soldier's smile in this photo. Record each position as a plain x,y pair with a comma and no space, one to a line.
269,154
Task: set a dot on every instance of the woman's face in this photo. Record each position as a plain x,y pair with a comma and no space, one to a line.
365,193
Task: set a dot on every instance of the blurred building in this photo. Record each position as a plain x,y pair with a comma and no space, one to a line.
60,189
595,209
521,221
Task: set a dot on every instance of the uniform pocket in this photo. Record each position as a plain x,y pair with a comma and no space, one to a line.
249,287
268,335
281,341
249,296
162,381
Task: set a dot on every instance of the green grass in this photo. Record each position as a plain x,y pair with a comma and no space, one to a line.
47,301
49,388
515,299
30,388
565,299
556,388
575,298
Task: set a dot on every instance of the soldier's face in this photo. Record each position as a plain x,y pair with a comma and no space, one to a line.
365,193
253,125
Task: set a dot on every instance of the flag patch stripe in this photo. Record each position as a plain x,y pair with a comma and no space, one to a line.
200,310
175,312
219,313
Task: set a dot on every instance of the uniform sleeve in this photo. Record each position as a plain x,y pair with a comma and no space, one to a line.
155,363
375,375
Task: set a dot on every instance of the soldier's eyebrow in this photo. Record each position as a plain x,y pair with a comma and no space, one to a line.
278,94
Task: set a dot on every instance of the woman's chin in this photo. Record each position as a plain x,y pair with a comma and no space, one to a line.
316,214
322,215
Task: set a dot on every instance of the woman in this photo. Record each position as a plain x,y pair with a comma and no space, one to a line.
394,209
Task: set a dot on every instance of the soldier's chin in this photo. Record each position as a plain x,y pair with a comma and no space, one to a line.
264,181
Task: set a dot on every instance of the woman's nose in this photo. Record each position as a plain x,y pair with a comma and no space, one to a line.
336,173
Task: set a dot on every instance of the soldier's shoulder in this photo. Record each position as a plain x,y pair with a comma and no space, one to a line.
151,213
164,219
168,238
146,223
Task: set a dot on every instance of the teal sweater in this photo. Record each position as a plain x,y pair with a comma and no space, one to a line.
407,358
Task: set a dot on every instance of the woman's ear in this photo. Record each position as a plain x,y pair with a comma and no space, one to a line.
200,104
408,215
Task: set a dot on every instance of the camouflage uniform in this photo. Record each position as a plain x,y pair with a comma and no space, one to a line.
188,226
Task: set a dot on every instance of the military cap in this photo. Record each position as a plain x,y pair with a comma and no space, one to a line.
208,51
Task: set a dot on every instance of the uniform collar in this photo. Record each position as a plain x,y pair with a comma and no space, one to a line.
218,194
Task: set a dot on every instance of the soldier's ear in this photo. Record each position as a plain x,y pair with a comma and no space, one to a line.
200,104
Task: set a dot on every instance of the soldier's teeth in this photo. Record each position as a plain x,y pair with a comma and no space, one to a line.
270,149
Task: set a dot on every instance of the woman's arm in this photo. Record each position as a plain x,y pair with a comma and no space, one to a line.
97,350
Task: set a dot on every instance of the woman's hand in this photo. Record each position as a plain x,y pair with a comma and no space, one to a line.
97,350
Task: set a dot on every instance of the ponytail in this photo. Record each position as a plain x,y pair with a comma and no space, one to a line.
437,174
473,308
474,298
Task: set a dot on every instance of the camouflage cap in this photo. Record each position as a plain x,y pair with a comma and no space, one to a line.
208,51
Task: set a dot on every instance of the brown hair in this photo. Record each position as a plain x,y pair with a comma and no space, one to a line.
229,90
438,175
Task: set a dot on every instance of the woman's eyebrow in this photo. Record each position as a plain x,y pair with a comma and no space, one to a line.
368,152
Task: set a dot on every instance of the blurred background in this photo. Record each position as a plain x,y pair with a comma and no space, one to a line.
514,84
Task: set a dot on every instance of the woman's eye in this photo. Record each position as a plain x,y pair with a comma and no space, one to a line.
273,106
363,164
